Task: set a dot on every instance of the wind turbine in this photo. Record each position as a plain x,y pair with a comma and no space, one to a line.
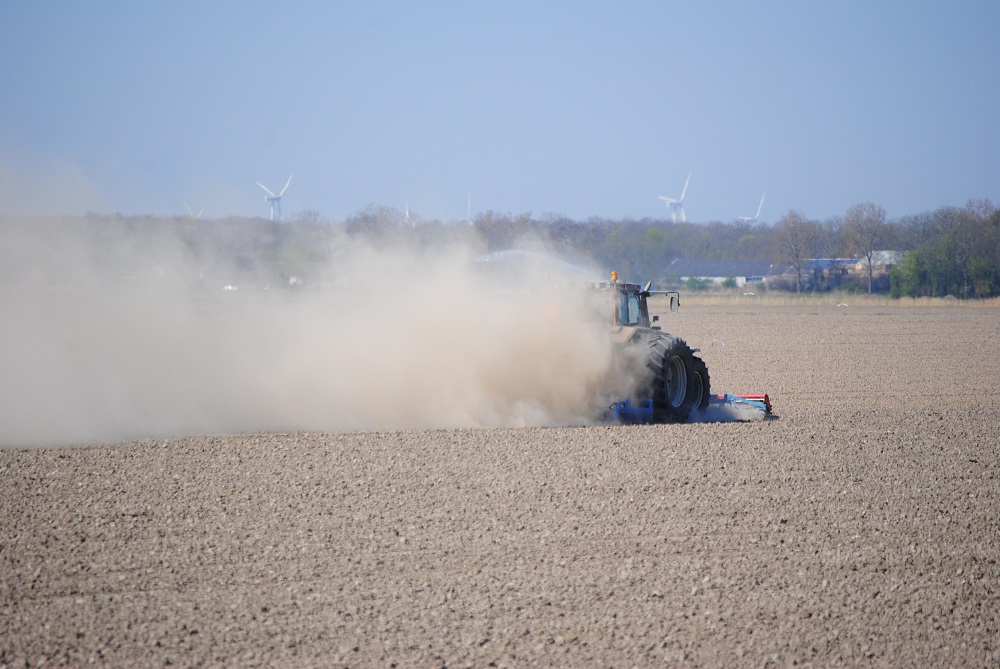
191,213
676,204
275,200
747,219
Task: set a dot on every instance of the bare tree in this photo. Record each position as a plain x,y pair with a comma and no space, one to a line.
795,239
375,221
500,231
864,232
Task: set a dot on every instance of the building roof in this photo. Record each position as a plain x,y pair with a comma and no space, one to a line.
683,267
883,258
814,264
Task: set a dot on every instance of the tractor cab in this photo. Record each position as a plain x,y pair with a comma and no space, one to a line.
629,306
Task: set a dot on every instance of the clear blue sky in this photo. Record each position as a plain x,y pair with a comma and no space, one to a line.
576,108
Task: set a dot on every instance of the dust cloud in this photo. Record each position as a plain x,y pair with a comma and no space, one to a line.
102,341
727,413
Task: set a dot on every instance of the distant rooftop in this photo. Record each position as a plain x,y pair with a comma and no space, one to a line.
738,269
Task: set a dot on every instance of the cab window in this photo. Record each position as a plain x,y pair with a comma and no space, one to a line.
628,309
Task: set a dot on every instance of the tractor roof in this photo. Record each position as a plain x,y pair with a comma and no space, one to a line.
622,285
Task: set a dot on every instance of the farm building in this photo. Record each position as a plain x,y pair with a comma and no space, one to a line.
718,271
882,261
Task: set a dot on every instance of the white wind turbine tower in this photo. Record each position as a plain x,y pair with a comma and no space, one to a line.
275,200
676,204
747,219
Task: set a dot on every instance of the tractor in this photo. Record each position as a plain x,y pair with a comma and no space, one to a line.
654,377
669,380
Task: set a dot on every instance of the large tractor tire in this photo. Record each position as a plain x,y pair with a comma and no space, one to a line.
701,388
670,362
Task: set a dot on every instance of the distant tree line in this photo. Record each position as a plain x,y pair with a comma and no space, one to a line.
949,251
952,252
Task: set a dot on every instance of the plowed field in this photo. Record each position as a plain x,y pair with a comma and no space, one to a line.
860,526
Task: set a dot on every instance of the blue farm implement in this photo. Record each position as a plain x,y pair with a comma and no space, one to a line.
626,412
745,407
761,402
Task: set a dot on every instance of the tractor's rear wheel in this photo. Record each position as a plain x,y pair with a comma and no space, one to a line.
701,391
670,362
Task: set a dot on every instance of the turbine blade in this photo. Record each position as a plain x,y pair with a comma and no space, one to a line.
190,213
286,184
266,189
684,192
760,206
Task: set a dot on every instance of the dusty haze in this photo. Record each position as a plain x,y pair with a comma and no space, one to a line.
105,338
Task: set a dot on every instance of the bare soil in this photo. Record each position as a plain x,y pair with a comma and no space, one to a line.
860,527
